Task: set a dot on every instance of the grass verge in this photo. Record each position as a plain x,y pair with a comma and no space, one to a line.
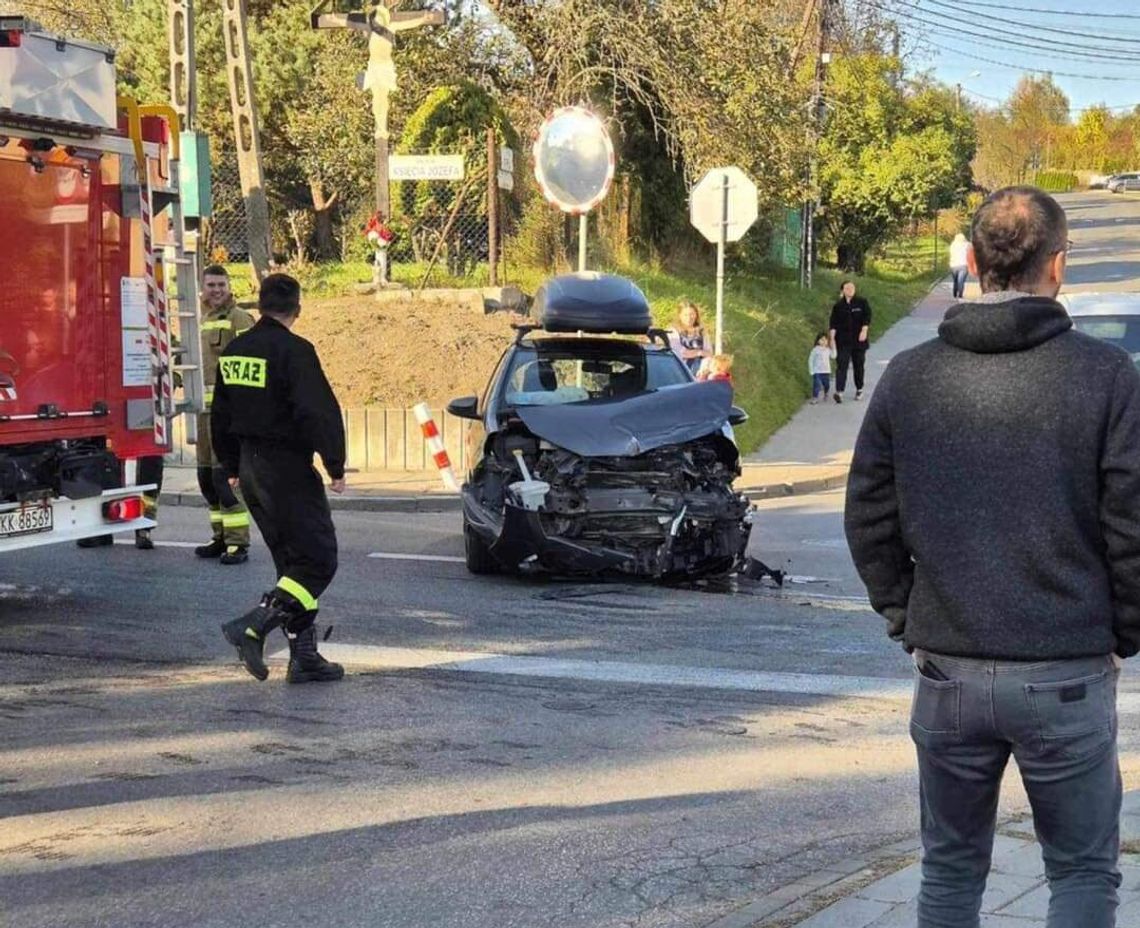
770,322
770,327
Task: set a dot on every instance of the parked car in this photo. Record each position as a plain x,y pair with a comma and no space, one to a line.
595,452
1113,317
1118,183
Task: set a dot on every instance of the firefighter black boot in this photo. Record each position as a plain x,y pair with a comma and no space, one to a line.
215,548
247,633
305,663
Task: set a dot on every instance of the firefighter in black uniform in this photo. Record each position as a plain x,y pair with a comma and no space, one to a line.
273,408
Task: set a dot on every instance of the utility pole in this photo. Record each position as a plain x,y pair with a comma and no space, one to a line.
247,134
896,52
183,73
815,132
493,206
958,99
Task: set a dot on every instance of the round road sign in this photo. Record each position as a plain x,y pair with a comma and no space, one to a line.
574,160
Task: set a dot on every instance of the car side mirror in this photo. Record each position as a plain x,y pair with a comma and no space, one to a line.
465,407
737,416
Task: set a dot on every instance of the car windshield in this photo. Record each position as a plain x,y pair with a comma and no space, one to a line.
1122,331
581,371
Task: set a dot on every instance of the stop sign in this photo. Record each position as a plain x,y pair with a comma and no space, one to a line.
724,196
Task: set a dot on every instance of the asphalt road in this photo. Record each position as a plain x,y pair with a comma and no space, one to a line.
504,752
1105,230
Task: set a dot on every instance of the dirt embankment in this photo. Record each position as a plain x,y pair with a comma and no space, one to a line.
402,353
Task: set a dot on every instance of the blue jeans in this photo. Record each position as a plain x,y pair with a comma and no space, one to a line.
960,274
1058,720
820,382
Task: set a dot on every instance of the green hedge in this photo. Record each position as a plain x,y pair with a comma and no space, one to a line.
1056,181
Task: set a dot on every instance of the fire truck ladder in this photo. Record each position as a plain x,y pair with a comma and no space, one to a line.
172,277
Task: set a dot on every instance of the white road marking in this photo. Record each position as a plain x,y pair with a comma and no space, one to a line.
161,544
373,657
440,558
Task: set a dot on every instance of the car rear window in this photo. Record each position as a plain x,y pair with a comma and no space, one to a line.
550,375
1122,331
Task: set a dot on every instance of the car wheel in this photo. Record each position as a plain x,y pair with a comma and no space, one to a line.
476,554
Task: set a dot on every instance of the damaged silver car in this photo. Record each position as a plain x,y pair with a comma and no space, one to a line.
595,450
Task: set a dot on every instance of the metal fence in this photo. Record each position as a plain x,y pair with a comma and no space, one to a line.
443,227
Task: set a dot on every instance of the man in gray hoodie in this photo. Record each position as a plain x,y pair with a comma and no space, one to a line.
993,512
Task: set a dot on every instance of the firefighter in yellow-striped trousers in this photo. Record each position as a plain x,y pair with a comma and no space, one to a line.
222,322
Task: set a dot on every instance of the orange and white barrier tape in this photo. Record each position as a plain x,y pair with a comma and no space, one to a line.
436,446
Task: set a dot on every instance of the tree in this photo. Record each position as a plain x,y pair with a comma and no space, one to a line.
1091,135
1037,110
888,154
452,120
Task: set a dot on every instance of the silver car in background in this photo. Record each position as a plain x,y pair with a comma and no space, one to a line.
1118,183
1112,317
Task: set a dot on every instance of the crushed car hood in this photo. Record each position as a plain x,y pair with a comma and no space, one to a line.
617,428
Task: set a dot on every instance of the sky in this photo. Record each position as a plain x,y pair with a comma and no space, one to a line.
1094,56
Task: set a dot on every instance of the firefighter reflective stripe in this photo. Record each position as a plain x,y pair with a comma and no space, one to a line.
215,325
236,520
215,515
209,395
238,371
298,592
246,329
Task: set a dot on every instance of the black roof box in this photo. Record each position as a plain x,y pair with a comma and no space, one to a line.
591,302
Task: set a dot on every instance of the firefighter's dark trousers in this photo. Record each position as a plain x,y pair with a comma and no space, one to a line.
229,519
286,498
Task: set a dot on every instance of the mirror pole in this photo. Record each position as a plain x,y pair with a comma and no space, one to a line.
583,222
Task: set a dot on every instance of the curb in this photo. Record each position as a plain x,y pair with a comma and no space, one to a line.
797,488
438,502
793,903
451,502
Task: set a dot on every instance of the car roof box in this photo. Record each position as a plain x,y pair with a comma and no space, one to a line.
592,302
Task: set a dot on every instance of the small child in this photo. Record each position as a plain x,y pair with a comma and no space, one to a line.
819,366
718,367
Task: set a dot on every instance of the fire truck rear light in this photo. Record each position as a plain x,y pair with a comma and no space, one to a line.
123,510
10,38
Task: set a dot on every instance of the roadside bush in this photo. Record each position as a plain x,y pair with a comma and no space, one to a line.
1056,181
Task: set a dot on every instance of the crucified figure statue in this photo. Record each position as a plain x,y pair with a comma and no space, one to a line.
382,21
380,78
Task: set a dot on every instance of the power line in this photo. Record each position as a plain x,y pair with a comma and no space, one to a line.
1032,9
1099,36
1013,44
1038,44
1025,70
1072,109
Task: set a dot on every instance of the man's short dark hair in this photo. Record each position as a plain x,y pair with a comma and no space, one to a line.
280,295
216,270
1016,231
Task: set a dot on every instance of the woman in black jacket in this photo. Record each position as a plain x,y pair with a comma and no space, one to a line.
849,330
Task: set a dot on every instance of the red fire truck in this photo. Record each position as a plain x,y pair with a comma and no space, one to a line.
96,281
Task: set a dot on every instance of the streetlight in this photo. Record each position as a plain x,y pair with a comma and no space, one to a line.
970,76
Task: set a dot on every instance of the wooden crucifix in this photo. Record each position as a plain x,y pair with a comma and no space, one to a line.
382,21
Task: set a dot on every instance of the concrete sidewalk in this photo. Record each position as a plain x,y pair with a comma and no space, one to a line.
810,454
423,491
1017,895
824,435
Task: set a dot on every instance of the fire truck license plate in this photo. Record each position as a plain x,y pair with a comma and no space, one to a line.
27,520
